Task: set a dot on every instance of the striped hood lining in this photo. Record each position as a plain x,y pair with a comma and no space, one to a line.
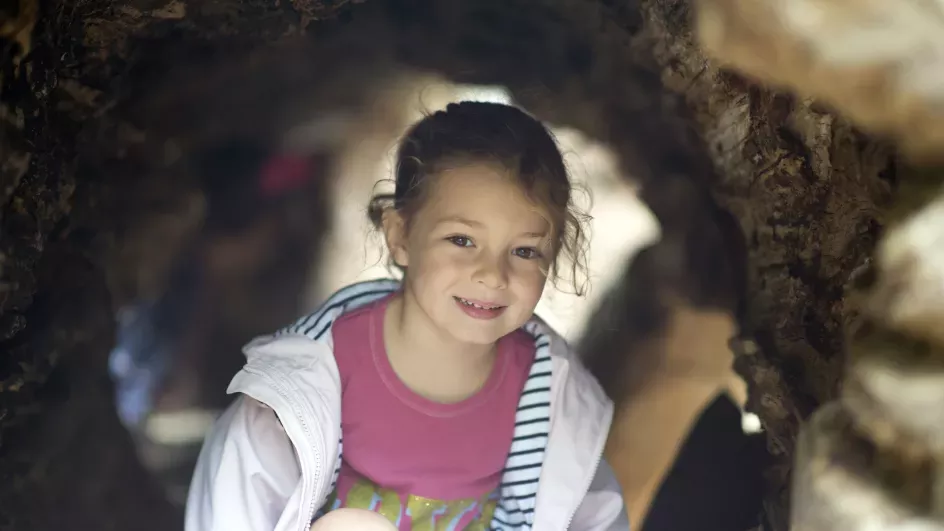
519,484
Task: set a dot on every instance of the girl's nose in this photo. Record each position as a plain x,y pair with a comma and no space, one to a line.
491,272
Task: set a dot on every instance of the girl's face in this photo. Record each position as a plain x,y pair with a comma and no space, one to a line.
476,254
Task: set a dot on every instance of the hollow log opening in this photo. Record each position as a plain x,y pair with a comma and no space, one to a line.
111,111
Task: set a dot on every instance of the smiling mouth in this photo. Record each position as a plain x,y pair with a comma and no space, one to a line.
479,305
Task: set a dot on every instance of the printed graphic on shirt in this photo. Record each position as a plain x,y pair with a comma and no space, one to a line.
416,513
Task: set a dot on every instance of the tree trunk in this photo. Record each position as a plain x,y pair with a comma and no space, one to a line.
808,191
873,457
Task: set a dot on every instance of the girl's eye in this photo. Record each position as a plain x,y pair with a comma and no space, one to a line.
528,253
461,241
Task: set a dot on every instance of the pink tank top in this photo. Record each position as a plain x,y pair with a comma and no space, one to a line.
421,464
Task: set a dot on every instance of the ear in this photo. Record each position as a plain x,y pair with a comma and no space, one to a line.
394,227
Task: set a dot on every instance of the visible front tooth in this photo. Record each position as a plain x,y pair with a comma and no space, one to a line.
474,305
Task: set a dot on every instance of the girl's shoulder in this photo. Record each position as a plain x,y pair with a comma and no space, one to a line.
356,335
520,339
520,347
317,324
548,342
543,337
359,319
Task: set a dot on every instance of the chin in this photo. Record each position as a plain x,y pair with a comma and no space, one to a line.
473,333
481,341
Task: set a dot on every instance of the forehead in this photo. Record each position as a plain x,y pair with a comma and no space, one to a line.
485,194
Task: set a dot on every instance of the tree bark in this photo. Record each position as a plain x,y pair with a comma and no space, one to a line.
808,190
872,457
67,462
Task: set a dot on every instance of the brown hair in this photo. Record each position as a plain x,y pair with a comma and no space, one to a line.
494,133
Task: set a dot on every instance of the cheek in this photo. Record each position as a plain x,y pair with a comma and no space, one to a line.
439,261
530,279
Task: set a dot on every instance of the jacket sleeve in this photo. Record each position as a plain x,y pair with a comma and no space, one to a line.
246,472
603,508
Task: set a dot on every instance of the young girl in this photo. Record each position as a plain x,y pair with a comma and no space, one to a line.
440,402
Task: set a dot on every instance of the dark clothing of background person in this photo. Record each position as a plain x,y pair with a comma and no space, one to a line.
715,483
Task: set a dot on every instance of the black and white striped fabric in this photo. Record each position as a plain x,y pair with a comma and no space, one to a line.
519,485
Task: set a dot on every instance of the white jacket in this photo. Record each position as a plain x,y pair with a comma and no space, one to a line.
272,458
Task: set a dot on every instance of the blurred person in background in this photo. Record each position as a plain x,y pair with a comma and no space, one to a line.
244,272
660,347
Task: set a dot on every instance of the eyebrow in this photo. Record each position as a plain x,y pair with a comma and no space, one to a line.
477,224
463,221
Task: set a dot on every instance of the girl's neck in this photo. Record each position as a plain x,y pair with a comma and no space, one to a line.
416,331
427,360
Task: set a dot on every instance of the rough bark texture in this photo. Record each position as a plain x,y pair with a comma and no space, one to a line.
883,75
66,460
873,458
135,86
807,189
